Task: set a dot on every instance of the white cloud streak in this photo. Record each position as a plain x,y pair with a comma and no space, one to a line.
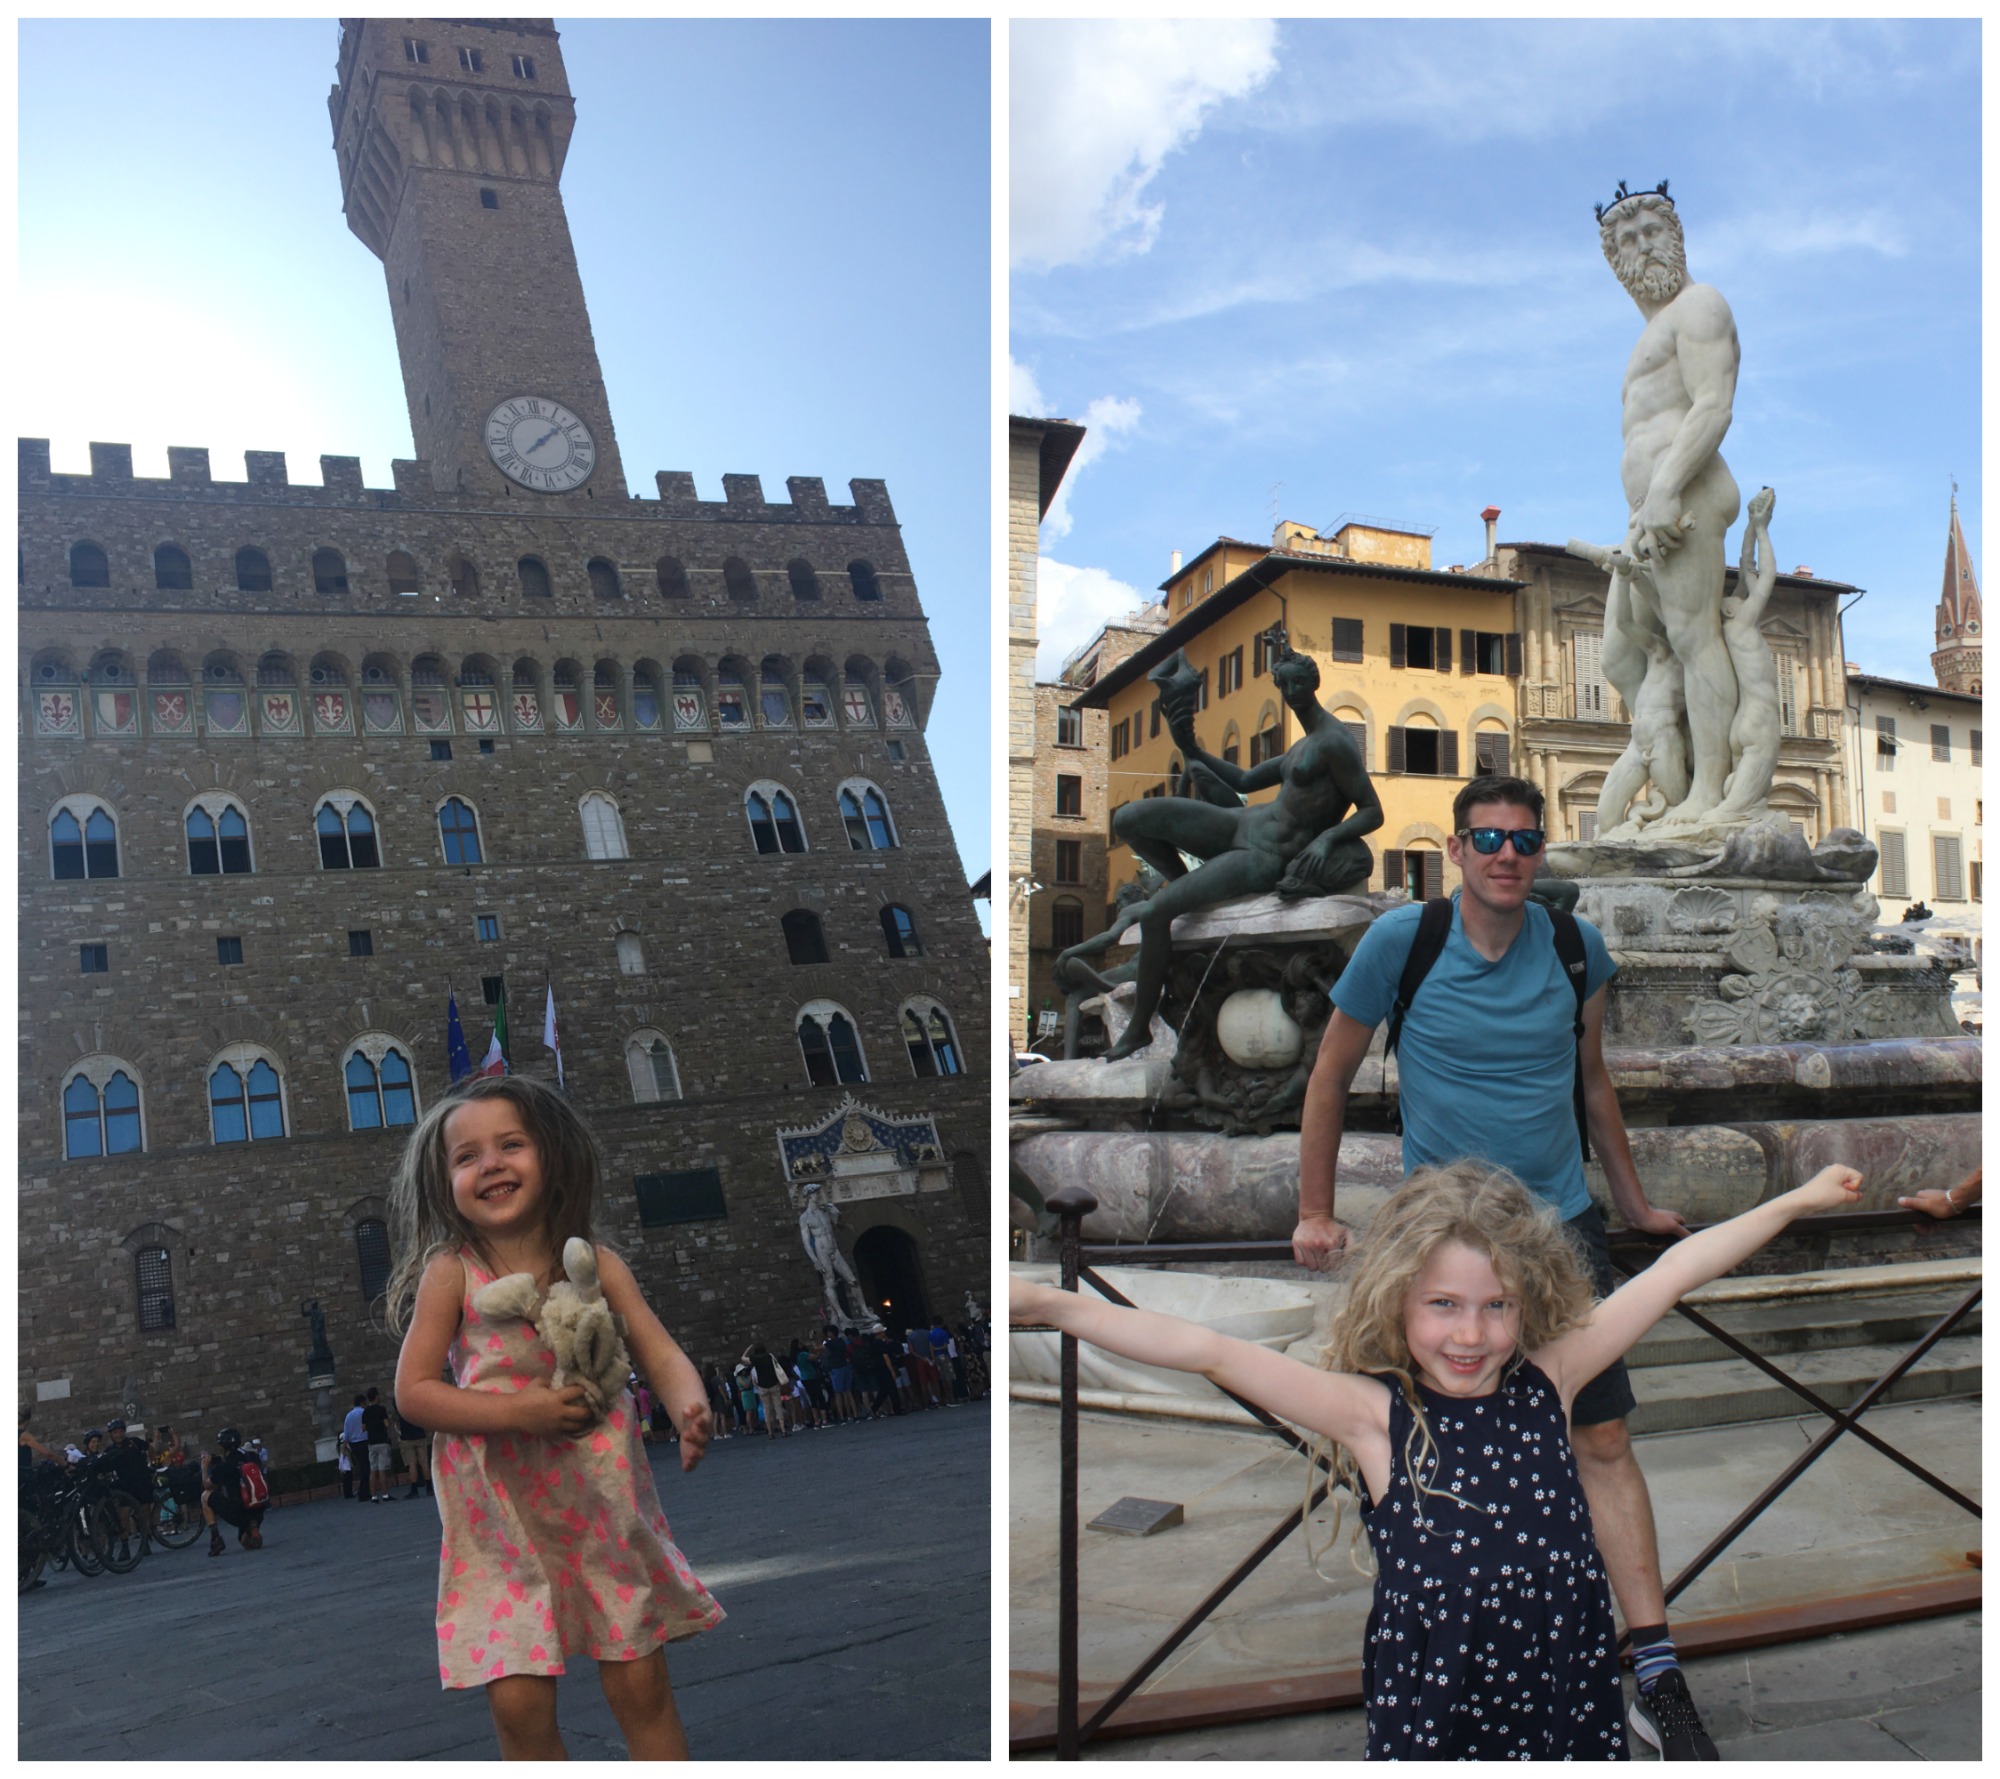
1097,107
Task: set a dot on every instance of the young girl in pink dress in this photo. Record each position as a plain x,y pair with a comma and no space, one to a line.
554,1542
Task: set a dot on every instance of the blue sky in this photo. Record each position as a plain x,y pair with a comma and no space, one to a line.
1321,268
784,235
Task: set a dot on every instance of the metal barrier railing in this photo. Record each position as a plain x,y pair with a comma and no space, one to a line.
1072,1204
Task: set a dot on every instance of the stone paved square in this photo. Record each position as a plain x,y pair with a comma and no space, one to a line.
854,1563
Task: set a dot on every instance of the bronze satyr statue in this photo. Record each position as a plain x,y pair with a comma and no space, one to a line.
1305,842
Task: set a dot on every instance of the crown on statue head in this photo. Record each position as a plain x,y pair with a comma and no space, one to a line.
1621,194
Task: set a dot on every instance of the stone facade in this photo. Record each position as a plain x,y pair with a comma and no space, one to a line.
586,687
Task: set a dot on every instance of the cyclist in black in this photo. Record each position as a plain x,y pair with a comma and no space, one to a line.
222,1495
130,1469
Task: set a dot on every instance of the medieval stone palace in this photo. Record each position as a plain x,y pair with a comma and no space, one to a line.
303,765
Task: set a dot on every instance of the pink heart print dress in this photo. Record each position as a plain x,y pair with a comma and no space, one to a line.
552,1547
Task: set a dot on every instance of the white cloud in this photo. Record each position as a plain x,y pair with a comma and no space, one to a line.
1024,394
1103,421
1071,605
1097,107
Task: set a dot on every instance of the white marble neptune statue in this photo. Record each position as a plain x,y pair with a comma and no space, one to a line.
1678,396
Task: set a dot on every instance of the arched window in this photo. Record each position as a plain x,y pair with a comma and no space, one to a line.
101,1112
866,813
932,1044
83,841
246,1104
218,837
89,566
253,570
534,577
645,698
380,1092
631,955
732,703
805,584
649,1060
603,831
172,571
156,1290
672,575
463,574
805,940
738,579
402,569
329,571
831,1048
458,828
604,579
371,1253
774,819
862,574
899,927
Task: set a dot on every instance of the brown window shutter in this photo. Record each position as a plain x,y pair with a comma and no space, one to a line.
1395,749
1392,869
1433,876
1468,650
1443,649
1514,653
1399,645
1492,755
1360,733
1448,753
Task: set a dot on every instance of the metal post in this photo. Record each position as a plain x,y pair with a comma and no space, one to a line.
1071,1205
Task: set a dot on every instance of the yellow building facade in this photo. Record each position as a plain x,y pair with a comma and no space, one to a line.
1421,664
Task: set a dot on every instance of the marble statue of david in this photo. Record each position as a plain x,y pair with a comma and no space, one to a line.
1680,384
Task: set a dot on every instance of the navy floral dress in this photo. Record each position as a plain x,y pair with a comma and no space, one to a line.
1491,1635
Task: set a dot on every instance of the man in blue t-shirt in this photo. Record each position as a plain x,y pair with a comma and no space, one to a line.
1486,1064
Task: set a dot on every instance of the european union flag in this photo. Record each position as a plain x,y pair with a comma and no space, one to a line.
456,1054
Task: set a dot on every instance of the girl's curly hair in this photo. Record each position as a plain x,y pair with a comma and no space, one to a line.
1486,1209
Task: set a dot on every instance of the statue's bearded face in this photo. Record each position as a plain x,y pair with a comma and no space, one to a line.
1642,240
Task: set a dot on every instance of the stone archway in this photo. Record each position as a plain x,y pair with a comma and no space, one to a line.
892,1276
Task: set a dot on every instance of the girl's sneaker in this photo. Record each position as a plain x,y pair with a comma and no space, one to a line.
1664,1717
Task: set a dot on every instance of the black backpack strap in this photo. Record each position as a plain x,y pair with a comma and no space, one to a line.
1576,965
1433,928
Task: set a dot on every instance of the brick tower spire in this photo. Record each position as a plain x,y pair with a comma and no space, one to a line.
1956,660
450,135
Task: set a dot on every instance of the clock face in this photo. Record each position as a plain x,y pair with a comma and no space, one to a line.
540,444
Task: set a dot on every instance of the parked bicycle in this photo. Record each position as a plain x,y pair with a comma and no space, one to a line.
81,1520
176,1521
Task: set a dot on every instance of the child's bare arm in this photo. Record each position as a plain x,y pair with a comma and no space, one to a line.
1618,1322
424,1396
1336,1403
658,1356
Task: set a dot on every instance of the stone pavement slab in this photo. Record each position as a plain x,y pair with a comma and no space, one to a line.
853,1562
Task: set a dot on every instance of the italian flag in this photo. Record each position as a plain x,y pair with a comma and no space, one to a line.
496,1052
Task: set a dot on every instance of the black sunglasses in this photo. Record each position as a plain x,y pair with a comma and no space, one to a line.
1527,841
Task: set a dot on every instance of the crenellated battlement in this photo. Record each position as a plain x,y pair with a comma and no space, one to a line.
267,478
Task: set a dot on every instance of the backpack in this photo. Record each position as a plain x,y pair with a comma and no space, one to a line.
251,1488
1433,928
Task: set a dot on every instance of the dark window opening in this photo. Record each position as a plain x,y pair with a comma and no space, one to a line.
492,988
156,1290
1069,794
371,1251
94,960
1069,861
604,579
402,571
738,580
534,577
524,67
1420,648
360,942
1066,923
672,575
416,50
89,566
1069,727
471,60
805,940
172,572
899,927
253,571
488,199
805,584
228,948
440,750
694,1195
329,572
862,575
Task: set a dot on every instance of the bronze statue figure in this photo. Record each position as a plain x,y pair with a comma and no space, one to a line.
1305,842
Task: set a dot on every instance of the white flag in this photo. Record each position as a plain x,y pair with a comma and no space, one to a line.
550,1041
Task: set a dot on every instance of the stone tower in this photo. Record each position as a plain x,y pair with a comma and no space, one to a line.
451,145
1955,661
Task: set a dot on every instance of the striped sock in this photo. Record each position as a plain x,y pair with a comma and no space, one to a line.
1652,1654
